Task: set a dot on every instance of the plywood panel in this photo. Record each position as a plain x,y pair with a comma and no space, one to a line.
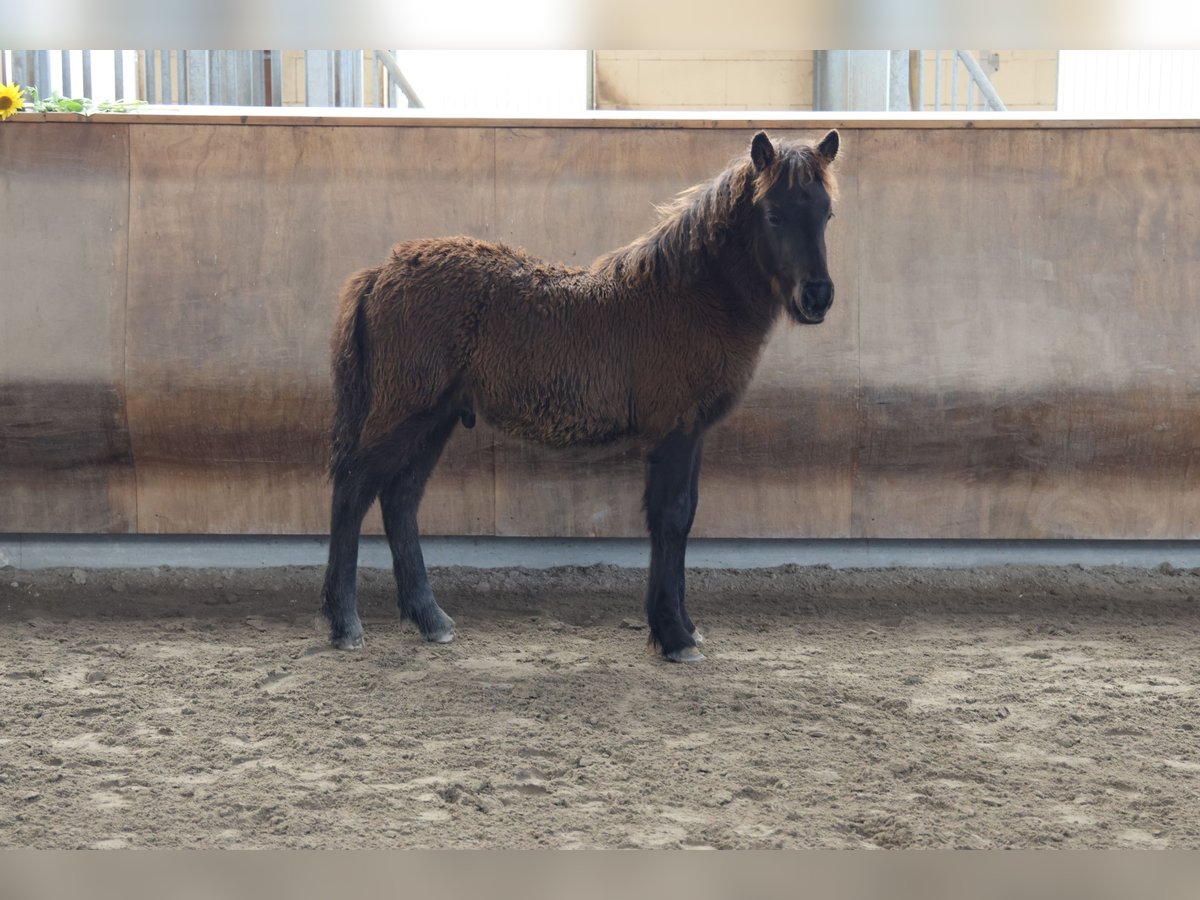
241,237
65,462
774,468
783,464
1011,354
1028,335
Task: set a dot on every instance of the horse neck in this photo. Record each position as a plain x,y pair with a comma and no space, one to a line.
747,292
733,286
721,264
711,270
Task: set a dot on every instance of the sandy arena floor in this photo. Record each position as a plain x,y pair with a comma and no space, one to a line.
1016,707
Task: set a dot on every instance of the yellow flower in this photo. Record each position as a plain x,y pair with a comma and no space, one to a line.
11,100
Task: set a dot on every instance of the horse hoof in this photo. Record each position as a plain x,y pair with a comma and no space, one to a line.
445,636
441,631
348,642
686,655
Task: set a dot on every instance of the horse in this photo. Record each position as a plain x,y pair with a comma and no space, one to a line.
650,345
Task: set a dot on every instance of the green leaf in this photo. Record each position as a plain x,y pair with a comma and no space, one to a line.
56,102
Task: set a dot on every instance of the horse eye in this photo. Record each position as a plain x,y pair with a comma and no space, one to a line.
773,218
831,214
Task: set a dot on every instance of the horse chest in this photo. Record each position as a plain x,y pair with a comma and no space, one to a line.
694,390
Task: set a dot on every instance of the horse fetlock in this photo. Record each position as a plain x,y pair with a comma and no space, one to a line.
676,644
347,635
444,636
435,626
439,634
349,642
685,655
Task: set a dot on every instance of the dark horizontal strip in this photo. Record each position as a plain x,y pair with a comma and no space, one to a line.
1138,431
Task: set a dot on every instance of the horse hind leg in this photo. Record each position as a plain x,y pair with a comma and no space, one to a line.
419,448
669,512
353,492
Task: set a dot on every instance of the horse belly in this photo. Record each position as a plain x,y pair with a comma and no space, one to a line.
556,413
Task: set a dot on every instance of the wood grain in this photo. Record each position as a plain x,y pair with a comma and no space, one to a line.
1028,328
65,461
1010,355
240,240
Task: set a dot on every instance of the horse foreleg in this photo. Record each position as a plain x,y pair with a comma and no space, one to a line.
693,499
399,501
352,497
670,507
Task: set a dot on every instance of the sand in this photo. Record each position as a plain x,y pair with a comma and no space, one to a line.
1005,707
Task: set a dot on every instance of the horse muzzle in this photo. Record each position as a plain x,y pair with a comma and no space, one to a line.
813,303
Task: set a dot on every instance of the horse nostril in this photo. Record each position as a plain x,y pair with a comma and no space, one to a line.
818,296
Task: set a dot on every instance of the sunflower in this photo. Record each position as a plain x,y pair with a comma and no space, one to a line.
11,100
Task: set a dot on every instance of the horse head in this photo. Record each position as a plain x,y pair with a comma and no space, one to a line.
792,204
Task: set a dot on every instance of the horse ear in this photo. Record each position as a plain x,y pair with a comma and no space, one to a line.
762,151
828,147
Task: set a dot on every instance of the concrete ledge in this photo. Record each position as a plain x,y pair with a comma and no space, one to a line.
253,551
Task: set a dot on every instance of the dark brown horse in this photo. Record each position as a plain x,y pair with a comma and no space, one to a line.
652,343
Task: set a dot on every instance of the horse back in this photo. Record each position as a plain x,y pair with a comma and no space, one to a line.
558,355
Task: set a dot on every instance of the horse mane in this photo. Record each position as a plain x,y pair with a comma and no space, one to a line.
700,220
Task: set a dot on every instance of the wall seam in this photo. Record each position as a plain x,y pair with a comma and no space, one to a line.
137,519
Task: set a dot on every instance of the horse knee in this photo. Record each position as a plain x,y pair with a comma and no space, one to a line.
671,518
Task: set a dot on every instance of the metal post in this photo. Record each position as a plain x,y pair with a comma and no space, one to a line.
216,78
258,78
591,79
87,73
197,77
977,76
43,71
360,75
147,68
66,73
167,93
22,67
937,80
223,82
868,79
243,77
830,75
276,78
348,77
851,80
389,62
318,78
119,74
897,90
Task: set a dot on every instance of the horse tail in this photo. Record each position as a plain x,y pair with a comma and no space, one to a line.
351,384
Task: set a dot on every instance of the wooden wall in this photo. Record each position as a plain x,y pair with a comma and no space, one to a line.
1011,353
